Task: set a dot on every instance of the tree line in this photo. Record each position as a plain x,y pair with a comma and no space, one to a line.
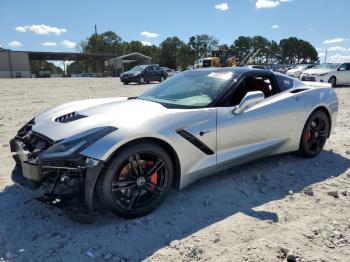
175,53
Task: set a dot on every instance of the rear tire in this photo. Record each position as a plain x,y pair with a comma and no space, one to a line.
314,136
333,81
125,83
128,185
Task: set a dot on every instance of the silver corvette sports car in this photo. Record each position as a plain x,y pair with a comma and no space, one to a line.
126,153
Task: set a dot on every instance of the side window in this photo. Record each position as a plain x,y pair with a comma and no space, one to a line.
343,67
348,66
250,84
284,83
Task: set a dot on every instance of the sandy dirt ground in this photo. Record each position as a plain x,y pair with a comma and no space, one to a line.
281,208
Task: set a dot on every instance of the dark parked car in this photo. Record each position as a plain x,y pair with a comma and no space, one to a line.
144,74
88,74
43,73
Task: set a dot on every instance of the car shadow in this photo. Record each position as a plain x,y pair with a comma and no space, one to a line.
243,190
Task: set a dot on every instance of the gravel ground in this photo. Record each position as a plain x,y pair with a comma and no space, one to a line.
282,208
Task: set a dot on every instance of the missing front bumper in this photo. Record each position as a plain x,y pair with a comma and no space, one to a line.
78,183
18,177
77,205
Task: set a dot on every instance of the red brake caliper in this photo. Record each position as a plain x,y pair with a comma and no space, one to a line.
308,136
154,177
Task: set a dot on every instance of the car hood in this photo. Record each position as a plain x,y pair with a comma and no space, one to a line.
292,71
57,123
317,71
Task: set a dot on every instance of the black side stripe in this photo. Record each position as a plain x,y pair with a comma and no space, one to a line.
195,141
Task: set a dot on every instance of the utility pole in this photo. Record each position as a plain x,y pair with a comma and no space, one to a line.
325,56
95,51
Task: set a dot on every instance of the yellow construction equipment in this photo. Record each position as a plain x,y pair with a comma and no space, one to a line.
219,58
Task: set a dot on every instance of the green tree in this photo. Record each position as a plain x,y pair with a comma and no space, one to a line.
36,65
153,52
184,57
168,51
274,54
263,45
107,42
241,47
202,45
134,46
295,51
79,66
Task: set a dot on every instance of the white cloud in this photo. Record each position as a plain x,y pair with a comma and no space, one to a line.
318,49
266,4
269,3
221,7
49,44
335,40
146,43
15,44
41,29
68,44
149,34
338,58
20,29
337,48
275,26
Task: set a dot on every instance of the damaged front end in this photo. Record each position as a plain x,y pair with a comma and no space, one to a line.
67,177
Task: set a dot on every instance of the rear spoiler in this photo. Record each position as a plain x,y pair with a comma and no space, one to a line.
317,84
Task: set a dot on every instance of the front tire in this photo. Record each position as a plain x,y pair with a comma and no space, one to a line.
333,81
141,80
162,78
137,180
314,136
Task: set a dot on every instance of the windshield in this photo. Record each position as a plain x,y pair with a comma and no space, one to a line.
137,68
327,66
300,66
191,89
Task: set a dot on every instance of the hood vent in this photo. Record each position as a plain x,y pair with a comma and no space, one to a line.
70,117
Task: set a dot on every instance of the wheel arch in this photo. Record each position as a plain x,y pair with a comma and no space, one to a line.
166,146
332,76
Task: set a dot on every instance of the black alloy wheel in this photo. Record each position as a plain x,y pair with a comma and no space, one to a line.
315,134
137,180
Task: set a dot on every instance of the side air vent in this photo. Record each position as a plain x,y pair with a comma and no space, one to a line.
195,141
69,117
298,90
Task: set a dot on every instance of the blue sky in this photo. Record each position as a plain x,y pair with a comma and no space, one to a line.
59,25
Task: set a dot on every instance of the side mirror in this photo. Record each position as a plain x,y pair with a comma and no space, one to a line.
249,99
